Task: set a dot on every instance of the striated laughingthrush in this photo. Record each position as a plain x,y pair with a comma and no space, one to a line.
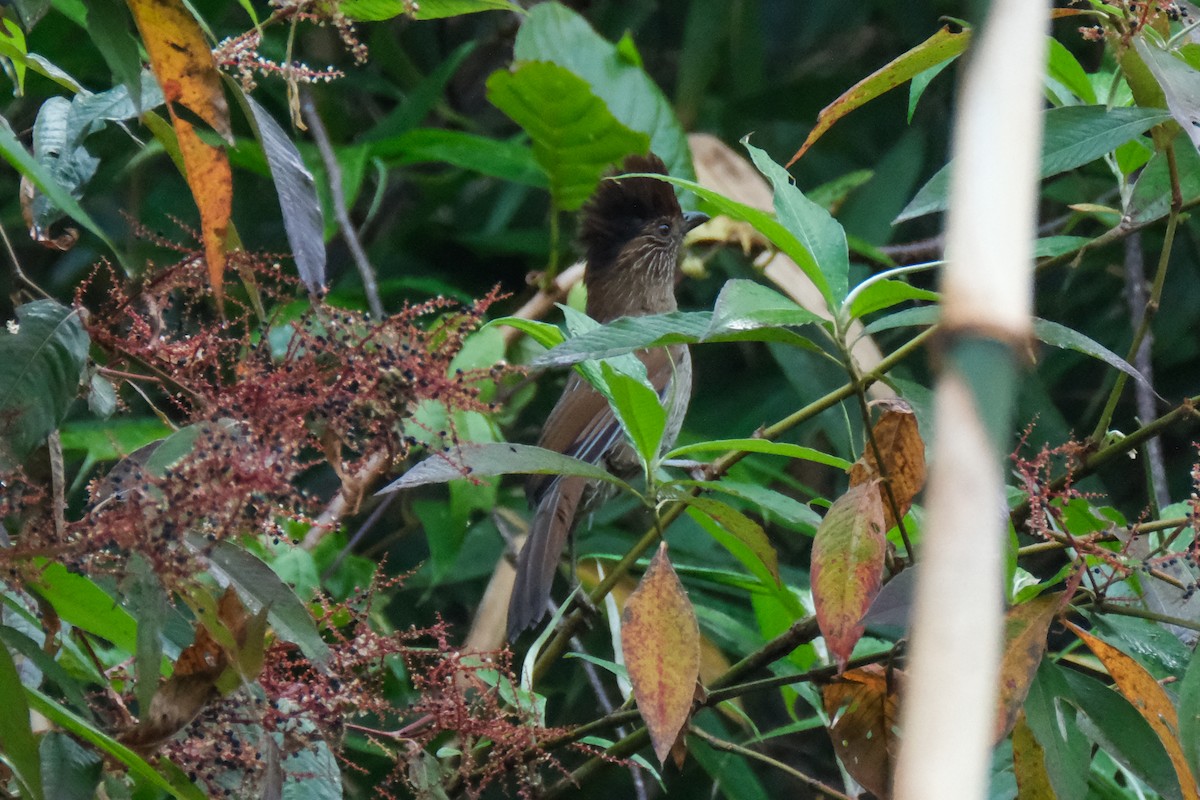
632,230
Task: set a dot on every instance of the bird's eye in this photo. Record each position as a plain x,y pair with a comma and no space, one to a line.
664,229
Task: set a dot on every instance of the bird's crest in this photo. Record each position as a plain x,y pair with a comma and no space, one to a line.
620,208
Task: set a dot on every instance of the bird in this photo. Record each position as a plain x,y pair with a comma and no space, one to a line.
631,232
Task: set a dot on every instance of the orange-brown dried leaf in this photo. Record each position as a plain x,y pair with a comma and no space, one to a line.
184,66
1029,764
182,60
847,567
1141,689
661,641
864,710
903,454
1025,629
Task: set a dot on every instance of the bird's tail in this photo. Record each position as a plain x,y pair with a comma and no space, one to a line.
538,560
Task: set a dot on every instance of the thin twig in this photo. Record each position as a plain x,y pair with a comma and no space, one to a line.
746,752
349,234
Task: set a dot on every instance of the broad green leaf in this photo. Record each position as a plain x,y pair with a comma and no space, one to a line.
257,582
553,32
543,333
1074,136
509,161
378,10
109,440
13,47
766,446
575,138
746,305
1180,84
771,504
42,356
17,743
1050,246
1061,336
638,409
1189,715
79,601
1063,67
923,315
15,153
496,458
885,294
136,765
937,50
297,194
627,334
70,771
1151,199
1114,724
813,226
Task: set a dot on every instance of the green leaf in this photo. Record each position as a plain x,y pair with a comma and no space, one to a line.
1074,136
1061,336
79,601
109,440
553,32
18,747
1050,246
1179,83
543,333
379,10
1063,67
85,730
496,458
509,161
51,669
258,583
14,48
746,305
923,315
920,82
1189,715
637,407
765,446
41,364
145,596
1054,726
788,510
15,153
108,29
1151,199
813,226
70,772
885,294
737,533
575,138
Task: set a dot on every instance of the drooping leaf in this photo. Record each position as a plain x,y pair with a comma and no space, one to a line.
639,410
42,357
765,446
903,458
1074,136
1148,697
1025,630
297,196
1053,724
378,10
552,32
864,707
847,567
1180,84
575,138
1068,338
740,535
661,642
286,612
496,458
885,294
17,742
183,63
79,601
812,225
938,49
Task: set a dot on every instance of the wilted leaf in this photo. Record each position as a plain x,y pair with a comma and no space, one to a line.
942,46
42,356
187,73
661,642
1029,763
903,454
1025,630
863,707
575,138
847,567
297,197
1147,696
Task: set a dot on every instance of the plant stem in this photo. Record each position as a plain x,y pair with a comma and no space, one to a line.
746,752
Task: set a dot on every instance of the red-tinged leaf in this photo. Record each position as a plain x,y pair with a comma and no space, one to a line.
1146,695
1029,763
847,567
943,45
661,641
903,453
864,711
184,66
1025,630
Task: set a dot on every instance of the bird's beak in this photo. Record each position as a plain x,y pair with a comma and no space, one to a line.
693,219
